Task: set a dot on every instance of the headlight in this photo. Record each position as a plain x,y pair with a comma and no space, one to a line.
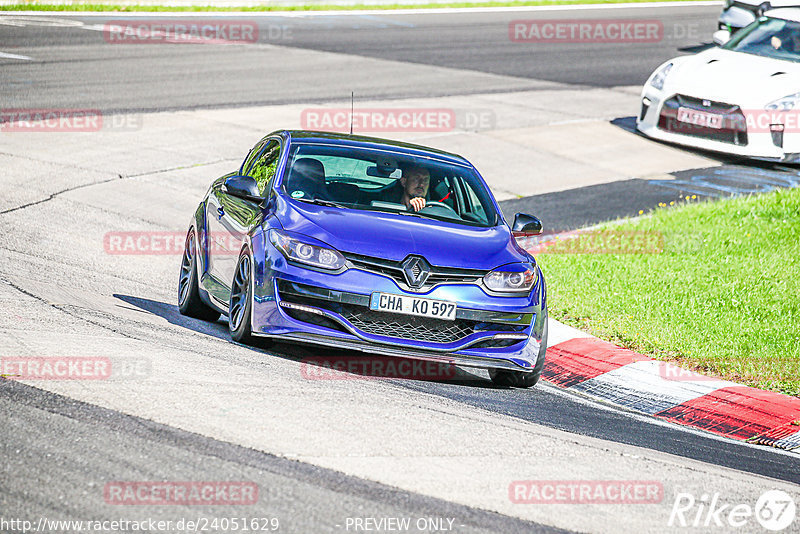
306,253
511,281
726,4
787,103
660,77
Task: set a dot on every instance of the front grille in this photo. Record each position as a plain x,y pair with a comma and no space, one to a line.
407,326
394,270
734,126
388,324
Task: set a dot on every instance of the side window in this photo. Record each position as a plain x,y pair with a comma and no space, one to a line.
474,210
264,167
251,157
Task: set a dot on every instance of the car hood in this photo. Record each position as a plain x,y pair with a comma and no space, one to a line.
393,237
734,78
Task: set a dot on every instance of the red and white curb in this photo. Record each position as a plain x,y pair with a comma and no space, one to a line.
579,362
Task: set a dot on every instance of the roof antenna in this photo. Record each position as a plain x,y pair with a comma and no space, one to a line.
352,110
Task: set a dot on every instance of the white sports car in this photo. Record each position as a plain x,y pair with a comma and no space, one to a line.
742,97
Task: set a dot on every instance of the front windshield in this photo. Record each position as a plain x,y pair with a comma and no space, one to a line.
768,37
364,179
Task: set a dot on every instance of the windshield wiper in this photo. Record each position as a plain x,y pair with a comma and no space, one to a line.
413,214
321,202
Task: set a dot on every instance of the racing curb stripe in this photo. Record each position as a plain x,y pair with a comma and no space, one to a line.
576,360
648,386
625,378
738,412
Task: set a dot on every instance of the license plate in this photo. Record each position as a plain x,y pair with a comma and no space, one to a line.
438,309
700,118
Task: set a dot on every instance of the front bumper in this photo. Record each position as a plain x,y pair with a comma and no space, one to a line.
293,303
657,120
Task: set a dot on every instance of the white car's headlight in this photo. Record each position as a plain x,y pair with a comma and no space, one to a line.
506,281
306,253
660,76
787,103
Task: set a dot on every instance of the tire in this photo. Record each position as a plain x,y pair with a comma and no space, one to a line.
520,379
189,302
514,379
239,307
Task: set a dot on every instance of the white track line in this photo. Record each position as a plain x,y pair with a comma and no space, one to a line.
4,55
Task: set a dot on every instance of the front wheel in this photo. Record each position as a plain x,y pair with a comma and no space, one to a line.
514,379
519,379
239,309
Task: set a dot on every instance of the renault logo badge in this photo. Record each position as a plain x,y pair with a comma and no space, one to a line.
416,271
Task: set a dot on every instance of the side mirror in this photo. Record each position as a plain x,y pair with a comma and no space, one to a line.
525,224
720,37
243,187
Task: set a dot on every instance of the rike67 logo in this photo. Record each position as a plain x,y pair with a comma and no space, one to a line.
775,511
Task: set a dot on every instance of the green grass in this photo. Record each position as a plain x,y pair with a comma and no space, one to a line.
79,6
723,298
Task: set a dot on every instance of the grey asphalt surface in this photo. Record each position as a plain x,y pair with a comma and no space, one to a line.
56,451
586,206
69,450
75,67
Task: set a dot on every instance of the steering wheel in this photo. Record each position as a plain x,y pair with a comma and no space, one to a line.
435,204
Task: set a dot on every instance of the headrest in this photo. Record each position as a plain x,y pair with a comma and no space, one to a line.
309,168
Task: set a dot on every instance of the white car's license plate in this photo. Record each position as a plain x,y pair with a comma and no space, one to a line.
439,309
700,118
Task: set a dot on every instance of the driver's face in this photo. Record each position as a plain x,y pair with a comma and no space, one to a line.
416,182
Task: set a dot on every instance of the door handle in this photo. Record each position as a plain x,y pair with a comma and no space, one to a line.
220,212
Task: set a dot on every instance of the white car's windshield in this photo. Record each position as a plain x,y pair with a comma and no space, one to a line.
374,180
768,37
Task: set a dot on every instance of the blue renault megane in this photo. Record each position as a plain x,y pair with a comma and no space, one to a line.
368,245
